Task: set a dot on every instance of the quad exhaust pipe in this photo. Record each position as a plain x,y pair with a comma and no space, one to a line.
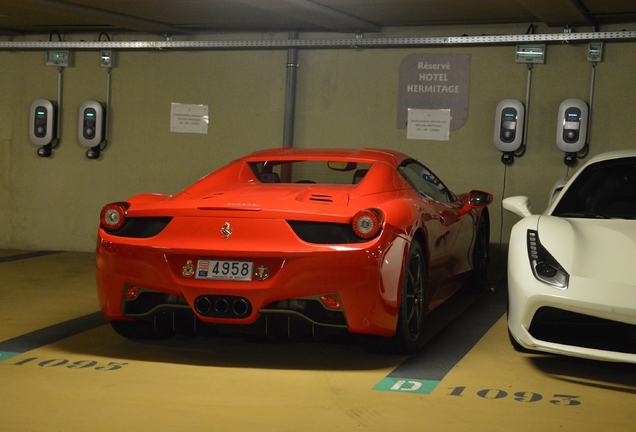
223,306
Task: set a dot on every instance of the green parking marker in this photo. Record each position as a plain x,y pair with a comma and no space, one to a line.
405,385
5,355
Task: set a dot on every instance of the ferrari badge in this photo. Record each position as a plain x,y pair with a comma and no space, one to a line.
188,269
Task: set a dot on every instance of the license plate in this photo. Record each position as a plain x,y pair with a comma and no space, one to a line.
224,270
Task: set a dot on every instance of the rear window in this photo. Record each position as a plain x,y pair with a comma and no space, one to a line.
320,172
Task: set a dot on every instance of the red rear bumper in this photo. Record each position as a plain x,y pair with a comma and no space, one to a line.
366,276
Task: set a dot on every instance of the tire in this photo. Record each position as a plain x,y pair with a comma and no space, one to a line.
481,255
410,325
141,329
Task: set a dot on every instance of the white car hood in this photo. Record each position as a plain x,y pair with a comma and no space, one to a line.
592,248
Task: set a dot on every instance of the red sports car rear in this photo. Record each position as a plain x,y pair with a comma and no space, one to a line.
293,240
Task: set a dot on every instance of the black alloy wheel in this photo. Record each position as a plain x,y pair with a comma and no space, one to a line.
410,325
412,308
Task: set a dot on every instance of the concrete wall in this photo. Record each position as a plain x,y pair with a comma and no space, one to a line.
346,98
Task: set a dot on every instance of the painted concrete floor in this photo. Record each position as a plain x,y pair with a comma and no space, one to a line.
63,369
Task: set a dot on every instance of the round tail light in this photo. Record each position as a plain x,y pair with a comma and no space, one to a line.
112,216
366,223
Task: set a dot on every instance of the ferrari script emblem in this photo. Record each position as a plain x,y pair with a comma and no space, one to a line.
188,269
226,231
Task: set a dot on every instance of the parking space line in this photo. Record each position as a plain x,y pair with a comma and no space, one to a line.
27,255
49,335
421,372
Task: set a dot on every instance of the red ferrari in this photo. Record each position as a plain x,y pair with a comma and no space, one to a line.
290,241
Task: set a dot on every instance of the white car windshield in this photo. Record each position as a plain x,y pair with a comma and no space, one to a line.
605,189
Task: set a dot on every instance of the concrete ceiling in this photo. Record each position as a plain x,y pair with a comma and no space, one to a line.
176,17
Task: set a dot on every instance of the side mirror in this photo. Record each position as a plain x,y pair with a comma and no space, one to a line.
479,198
519,205
476,199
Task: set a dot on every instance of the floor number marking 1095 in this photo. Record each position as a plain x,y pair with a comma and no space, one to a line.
80,364
556,399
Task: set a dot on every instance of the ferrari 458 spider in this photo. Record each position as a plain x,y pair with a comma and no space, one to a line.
289,240
572,270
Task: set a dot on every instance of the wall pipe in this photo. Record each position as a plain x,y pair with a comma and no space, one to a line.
290,93
58,126
527,112
107,121
589,121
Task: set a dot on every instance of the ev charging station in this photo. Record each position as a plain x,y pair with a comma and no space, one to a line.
91,130
571,136
43,125
509,128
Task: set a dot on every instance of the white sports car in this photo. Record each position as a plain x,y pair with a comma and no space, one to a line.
572,269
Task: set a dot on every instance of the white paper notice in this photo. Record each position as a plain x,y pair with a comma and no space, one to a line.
424,124
186,118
